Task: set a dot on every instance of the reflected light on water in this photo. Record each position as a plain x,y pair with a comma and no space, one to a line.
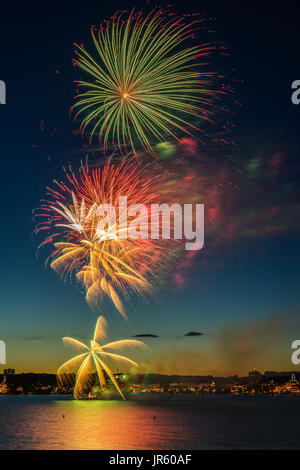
71,424
212,422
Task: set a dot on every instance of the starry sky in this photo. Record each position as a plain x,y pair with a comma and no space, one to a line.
241,292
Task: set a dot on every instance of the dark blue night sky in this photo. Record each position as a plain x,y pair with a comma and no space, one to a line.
241,292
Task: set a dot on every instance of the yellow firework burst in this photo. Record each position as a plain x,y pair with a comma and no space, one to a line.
93,360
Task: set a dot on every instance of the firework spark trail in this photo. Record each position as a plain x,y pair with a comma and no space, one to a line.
106,264
94,359
146,82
